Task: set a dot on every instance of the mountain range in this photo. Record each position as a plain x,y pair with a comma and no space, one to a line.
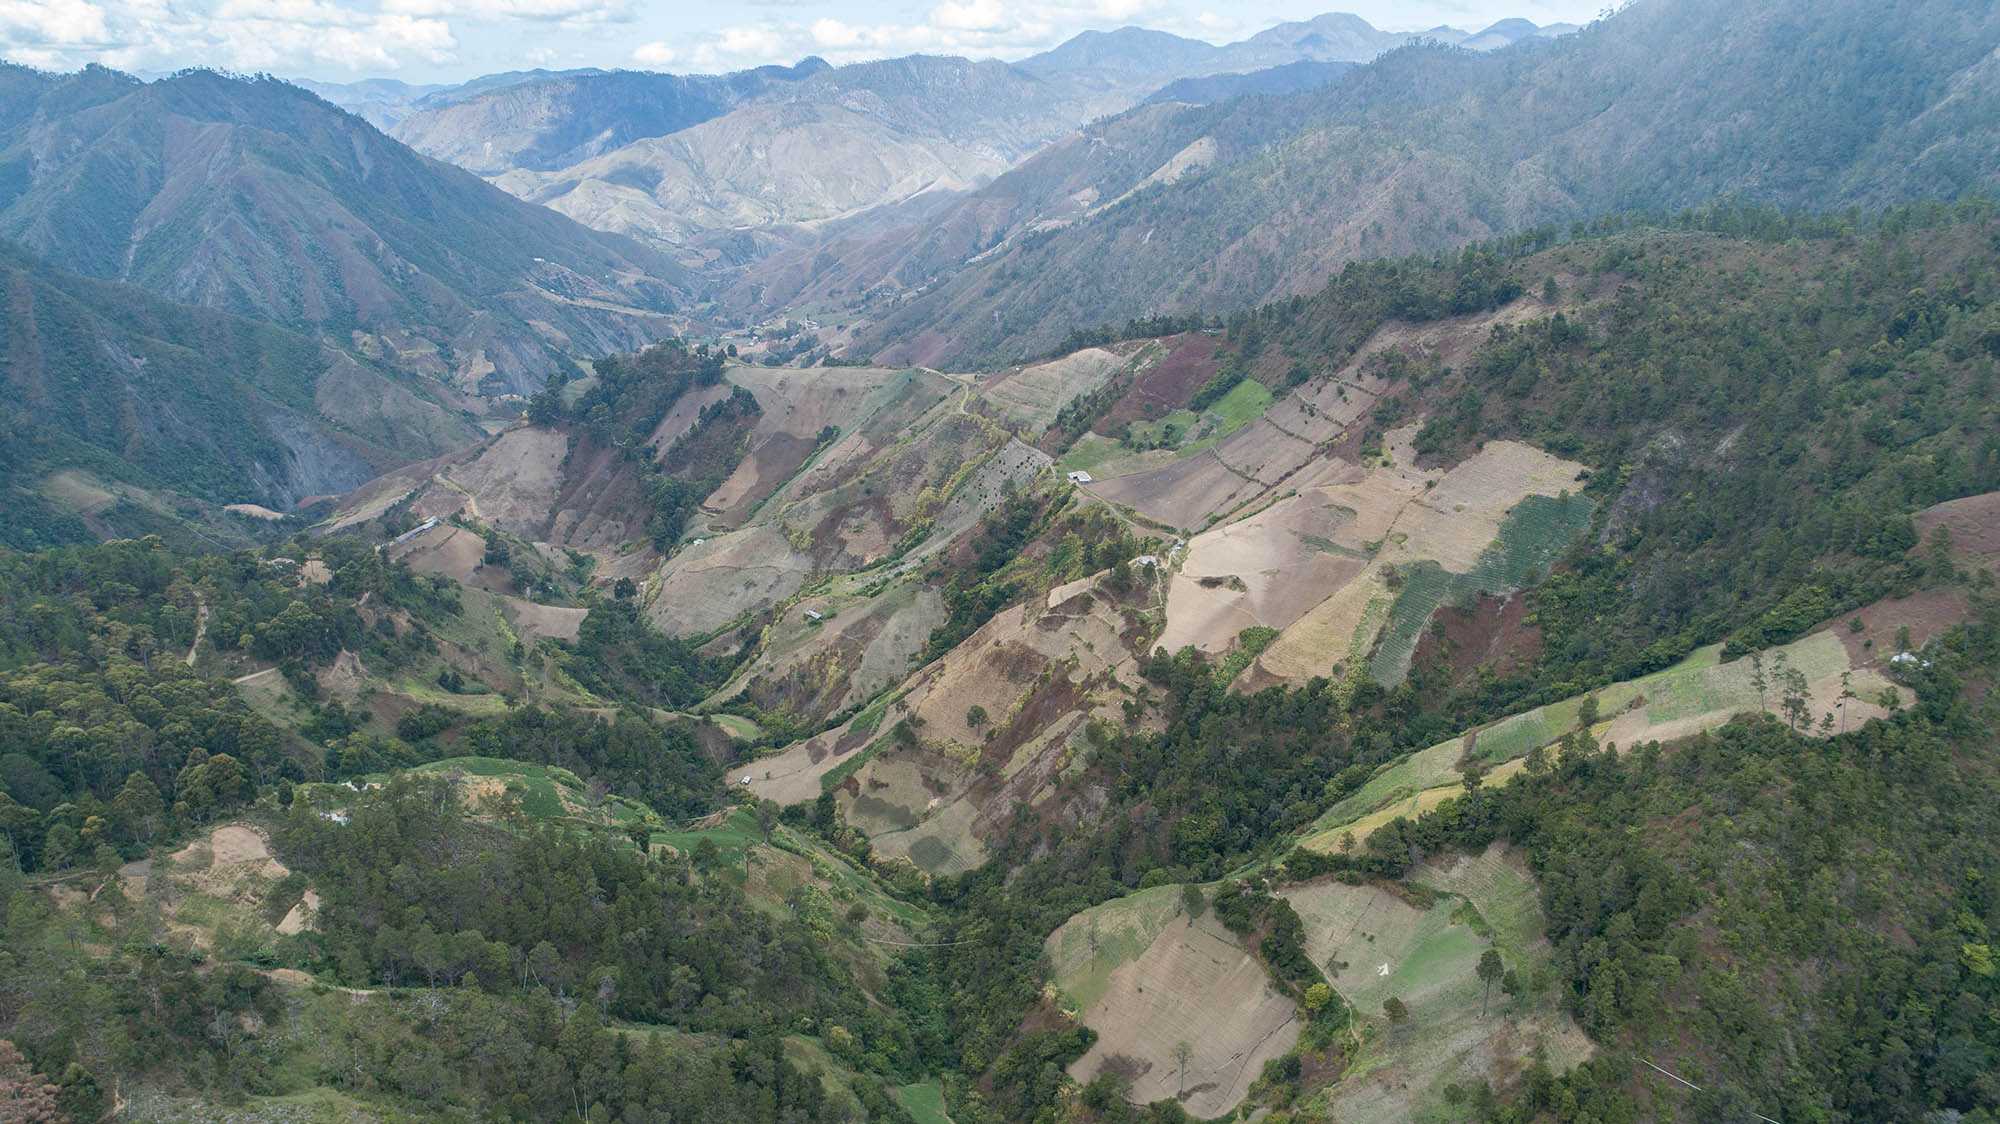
252,196
1427,148
729,169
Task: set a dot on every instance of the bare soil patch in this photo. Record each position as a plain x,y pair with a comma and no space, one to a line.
457,554
1974,523
1181,493
531,620
1494,633
1927,615
1168,385
1193,984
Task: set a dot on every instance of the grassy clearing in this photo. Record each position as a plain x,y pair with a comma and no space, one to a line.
1418,801
924,1102
547,792
1091,453
1426,957
1242,405
1166,432
541,785
737,832
738,727
1091,945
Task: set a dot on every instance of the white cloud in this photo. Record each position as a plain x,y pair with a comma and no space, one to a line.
52,22
976,28
246,35
973,15
568,11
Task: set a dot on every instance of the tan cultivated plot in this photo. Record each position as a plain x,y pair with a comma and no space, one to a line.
1154,980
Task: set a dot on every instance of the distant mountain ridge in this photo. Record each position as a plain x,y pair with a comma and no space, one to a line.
546,121
255,197
1667,105
725,170
828,148
1290,78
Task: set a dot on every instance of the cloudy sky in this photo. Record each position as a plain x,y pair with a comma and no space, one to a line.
451,40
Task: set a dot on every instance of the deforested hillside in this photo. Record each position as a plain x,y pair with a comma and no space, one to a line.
254,197
1668,104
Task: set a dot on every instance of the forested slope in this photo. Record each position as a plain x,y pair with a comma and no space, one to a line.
255,197
116,383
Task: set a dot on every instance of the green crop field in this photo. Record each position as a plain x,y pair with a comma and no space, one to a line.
1244,403
1533,536
731,839
1122,930
924,1102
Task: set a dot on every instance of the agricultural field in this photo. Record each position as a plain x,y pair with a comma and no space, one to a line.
1358,556
1699,693
224,894
1146,978
1038,671
860,644
1535,532
1030,398
1177,435
1420,945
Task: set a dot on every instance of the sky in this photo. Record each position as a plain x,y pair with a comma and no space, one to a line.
425,41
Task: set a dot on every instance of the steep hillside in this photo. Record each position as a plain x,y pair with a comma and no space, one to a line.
254,197
1668,104
863,140
871,136
111,389
544,122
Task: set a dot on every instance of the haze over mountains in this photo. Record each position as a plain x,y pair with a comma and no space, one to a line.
1427,149
732,168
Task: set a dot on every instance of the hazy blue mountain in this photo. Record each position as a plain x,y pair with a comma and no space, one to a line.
1287,79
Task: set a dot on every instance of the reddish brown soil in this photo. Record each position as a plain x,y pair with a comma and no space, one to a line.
1974,523
1495,635
777,459
1168,385
1927,615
